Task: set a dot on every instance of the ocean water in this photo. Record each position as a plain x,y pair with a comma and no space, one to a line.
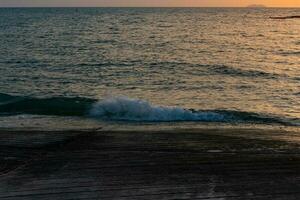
90,66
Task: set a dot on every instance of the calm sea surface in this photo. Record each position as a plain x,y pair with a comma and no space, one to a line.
132,64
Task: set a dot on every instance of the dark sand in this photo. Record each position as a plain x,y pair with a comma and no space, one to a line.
182,164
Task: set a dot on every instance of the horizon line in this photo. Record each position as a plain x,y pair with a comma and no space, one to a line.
148,7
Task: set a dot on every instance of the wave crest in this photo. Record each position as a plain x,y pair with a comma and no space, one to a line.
126,109
123,108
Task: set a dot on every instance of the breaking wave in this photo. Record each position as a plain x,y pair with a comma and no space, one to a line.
125,109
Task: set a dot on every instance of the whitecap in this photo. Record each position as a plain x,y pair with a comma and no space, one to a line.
124,108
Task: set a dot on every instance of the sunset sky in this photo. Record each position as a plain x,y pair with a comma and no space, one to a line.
151,3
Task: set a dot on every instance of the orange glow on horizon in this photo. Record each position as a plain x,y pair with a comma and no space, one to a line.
225,3
193,3
153,3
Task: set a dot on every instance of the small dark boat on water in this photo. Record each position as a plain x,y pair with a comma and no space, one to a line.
287,17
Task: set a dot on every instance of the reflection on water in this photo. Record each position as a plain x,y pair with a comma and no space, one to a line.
235,59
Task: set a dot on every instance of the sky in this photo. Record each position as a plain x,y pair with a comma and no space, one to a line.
146,3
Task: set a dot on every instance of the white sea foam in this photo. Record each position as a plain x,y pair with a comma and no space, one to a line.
123,108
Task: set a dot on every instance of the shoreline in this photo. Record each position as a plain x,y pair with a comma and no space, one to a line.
182,164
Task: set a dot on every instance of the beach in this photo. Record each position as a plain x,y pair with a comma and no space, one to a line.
147,164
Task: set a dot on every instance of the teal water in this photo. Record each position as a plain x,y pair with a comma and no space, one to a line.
154,65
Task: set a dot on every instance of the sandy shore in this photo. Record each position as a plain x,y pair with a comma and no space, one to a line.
178,164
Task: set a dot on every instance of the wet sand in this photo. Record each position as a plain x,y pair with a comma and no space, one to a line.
177,164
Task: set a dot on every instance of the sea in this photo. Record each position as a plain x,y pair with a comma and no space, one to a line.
69,68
